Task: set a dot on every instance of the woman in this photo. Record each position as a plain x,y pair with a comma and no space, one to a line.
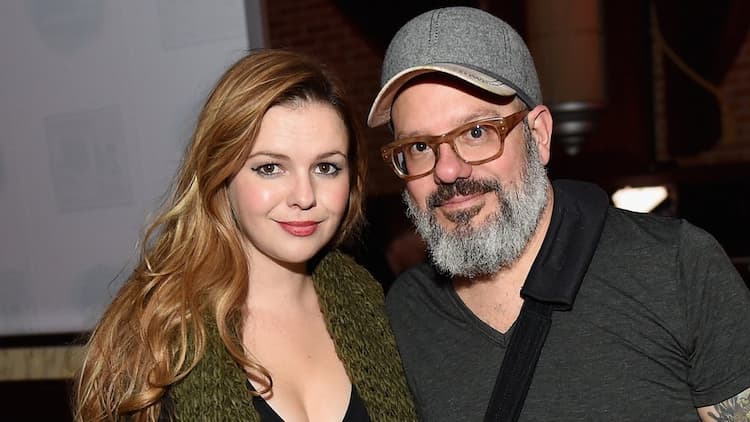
240,307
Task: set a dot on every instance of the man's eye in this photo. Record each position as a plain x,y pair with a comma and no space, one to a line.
419,147
267,169
476,132
328,169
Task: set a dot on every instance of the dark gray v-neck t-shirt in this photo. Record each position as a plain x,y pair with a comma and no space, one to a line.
658,328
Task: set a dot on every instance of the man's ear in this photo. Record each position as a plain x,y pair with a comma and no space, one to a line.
540,123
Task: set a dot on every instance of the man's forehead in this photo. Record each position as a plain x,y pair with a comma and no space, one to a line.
472,104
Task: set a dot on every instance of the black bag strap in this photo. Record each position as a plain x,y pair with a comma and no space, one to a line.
520,360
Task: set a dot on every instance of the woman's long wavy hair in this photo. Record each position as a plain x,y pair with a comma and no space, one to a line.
192,265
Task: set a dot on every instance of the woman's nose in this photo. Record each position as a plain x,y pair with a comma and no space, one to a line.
302,194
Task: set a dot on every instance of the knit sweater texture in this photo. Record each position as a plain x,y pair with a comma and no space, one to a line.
352,304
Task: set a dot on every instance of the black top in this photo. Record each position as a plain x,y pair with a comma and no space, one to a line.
356,412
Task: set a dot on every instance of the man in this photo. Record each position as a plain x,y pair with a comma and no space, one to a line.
650,318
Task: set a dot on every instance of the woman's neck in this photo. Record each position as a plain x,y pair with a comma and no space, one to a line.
272,283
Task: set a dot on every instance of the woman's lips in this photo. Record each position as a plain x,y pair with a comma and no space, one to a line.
299,228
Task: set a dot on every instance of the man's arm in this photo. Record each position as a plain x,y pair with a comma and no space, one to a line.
734,409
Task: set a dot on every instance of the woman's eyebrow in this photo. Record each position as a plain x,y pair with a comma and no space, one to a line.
278,156
273,155
331,154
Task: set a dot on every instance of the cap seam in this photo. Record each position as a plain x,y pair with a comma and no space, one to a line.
434,34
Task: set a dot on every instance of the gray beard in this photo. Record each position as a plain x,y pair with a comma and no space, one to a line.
498,241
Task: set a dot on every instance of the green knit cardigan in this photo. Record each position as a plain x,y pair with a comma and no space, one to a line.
352,304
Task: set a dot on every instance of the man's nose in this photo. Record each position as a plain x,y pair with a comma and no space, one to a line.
449,166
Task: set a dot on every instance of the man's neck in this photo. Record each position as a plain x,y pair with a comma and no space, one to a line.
496,299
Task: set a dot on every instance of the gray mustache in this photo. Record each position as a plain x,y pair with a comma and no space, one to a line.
460,187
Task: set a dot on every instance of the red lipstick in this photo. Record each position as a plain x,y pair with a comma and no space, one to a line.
299,228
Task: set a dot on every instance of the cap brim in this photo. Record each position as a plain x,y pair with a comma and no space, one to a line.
380,112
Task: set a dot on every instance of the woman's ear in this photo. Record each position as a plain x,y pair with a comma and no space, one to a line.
540,124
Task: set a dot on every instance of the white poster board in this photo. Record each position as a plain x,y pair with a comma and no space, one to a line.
98,99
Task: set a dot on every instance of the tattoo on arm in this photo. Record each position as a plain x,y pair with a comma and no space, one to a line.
734,409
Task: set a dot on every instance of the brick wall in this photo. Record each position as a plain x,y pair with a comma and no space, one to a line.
319,28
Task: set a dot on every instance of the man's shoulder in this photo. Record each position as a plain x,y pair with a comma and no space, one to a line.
623,225
416,287
413,281
649,228
651,247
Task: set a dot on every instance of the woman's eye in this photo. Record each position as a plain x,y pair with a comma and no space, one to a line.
328,169
267,169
